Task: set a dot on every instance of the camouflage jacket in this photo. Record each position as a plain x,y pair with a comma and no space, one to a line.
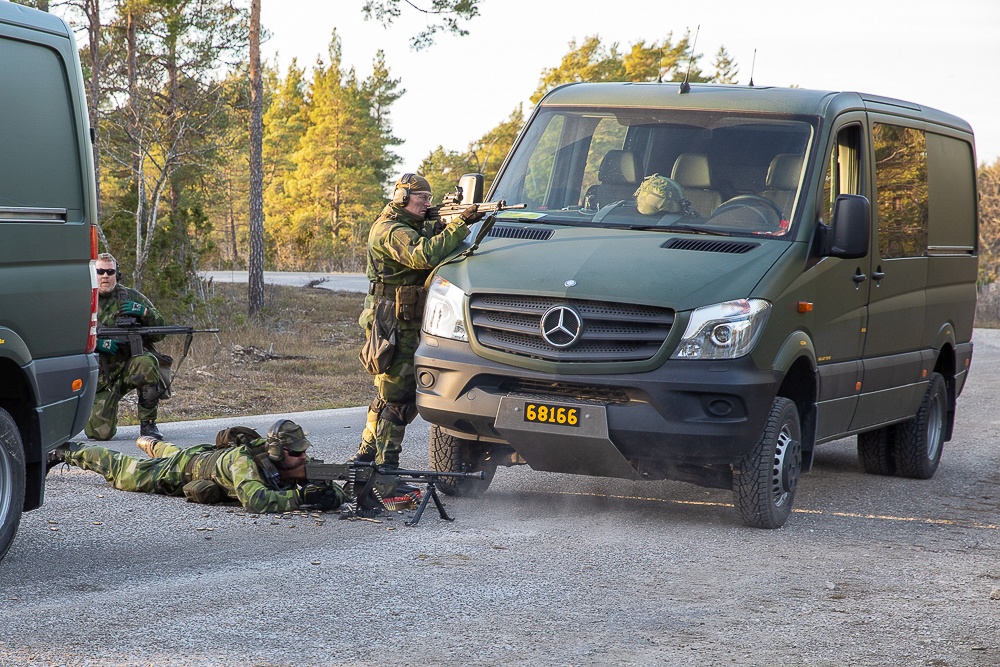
237,473
402,248
109,305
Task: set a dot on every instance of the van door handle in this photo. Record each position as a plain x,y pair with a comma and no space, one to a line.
860,277
877,275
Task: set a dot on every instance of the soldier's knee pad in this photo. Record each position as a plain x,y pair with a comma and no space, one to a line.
377,406
400,414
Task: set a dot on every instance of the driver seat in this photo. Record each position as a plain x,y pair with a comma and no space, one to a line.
783,180
619,179
692,172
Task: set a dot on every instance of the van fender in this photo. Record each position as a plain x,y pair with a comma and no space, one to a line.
13,347
797,344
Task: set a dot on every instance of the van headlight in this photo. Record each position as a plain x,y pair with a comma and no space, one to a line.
444,313
724,330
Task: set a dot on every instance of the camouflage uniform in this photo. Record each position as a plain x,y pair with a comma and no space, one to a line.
234,470
402,250
121,373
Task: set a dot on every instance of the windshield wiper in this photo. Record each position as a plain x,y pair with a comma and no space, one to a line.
694,229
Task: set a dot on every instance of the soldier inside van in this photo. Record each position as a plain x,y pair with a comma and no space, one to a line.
659,194
121,371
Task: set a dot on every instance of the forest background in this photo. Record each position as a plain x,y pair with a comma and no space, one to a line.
169,93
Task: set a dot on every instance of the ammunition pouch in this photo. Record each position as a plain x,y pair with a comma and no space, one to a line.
202,466
234,436
380,339
410,301
204,492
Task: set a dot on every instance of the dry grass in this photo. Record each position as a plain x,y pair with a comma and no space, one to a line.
303,357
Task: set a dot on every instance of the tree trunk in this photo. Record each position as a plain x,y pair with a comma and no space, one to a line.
92,9
256,265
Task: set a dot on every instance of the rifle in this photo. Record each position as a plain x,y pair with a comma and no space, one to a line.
451,204
367,483
128,328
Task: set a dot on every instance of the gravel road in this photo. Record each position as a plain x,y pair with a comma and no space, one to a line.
545,569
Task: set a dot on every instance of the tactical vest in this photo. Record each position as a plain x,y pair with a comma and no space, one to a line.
202,466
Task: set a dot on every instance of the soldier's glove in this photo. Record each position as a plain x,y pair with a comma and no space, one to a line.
107,345
133,309
323,496
471,214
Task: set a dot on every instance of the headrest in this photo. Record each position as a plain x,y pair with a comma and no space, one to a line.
618,167
691,171
783,174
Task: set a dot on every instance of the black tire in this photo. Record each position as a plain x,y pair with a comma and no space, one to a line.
11,480
451,454
764,481
876,451
920,441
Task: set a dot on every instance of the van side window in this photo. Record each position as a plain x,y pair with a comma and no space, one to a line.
39,154
901,190
843,174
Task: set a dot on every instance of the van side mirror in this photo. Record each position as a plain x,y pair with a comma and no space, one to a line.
849,232
472,188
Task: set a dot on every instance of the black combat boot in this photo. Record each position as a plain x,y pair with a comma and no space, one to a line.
148,427
58,455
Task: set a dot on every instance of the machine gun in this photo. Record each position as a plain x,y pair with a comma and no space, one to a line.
367,484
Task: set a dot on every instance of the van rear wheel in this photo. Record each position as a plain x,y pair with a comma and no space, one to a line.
451,454
764,481
876,450
11,480
920,441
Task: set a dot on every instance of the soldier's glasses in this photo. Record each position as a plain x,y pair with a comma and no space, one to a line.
104,272
295,454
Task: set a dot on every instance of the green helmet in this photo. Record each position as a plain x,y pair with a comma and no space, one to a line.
658,194
285,434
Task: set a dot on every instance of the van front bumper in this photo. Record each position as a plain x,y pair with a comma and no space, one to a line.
631,425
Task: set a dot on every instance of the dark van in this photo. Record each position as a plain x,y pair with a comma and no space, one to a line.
799,266
48,241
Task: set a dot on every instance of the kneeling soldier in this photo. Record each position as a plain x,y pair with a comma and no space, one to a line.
263,474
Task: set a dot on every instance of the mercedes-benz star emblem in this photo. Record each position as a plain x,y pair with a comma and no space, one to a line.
561,326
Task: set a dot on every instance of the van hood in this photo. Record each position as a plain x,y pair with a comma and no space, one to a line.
673,270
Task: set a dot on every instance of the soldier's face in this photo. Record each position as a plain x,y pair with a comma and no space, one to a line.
107,280
419,203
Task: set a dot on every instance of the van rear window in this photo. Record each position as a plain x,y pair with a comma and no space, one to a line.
39,150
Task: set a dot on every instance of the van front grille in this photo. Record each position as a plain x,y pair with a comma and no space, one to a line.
606,331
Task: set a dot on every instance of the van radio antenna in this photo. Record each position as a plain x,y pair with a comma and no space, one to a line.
753,63
685,86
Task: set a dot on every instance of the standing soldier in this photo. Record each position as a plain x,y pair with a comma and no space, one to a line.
403,248
120,371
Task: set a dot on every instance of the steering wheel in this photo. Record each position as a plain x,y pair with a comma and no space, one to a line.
753,202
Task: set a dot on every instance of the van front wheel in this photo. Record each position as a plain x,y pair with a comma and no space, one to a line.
11,480
920,441
451,454
764,481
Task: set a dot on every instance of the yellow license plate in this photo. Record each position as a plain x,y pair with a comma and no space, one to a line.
542,413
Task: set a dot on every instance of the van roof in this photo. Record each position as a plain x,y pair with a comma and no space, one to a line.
729,97
27,17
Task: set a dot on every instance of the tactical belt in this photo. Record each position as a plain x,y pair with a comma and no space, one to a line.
382,289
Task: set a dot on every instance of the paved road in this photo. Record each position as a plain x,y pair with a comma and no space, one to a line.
343,282
545,569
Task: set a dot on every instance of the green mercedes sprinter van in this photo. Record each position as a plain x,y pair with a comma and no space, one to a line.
800,266
48,289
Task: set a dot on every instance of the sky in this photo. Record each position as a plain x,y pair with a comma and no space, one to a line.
938,53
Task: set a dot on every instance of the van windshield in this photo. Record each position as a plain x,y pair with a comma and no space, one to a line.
730,173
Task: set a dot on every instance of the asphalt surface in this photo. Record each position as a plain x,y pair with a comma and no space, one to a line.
544,569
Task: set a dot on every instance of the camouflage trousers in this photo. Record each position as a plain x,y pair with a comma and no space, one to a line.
164,475
140,372
395,406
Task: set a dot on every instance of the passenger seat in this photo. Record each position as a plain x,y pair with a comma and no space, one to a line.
619,176
692,173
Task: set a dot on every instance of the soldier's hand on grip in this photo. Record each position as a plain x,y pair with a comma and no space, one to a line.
107,345
323,496
471,214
